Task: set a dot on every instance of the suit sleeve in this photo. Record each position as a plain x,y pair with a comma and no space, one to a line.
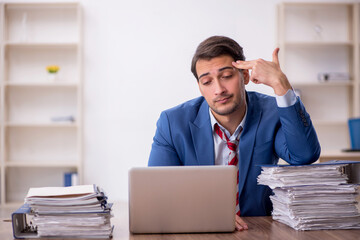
296,141
163,152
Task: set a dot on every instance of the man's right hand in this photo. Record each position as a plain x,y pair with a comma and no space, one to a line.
267,72
240,225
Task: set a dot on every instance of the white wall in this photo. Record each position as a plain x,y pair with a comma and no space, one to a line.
137,56
137,63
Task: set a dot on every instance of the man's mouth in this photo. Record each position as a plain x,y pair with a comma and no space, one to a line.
223,99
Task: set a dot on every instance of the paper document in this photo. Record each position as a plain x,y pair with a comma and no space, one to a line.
61,191
64,212
312,197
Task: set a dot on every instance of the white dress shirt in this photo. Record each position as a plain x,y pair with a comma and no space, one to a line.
220,147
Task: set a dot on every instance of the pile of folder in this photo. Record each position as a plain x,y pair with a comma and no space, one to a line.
312,197
64,212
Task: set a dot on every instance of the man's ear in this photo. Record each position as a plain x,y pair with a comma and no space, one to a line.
246,75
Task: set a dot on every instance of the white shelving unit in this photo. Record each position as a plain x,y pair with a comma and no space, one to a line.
37,150
323,38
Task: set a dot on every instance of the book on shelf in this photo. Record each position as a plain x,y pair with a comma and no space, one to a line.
64,212
313,197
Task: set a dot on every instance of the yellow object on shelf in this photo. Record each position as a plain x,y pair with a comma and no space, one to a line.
52,68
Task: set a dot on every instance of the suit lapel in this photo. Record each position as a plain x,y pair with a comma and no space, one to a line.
247,140
201,133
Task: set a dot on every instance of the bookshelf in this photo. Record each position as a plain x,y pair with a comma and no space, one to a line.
41,118
317,38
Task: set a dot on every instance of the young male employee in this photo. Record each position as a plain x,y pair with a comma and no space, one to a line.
229,125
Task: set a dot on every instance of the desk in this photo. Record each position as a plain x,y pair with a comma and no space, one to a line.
259,228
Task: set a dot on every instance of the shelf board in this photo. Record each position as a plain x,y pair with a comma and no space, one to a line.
41,84
31,163
40,5
316,43
314,4
339,154
42,125
41,44
345,83
329,123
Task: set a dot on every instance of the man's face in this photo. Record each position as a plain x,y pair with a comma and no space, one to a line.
222,85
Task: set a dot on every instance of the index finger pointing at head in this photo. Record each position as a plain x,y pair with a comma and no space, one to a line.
243,64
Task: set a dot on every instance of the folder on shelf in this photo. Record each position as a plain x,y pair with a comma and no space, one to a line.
354,131
71,179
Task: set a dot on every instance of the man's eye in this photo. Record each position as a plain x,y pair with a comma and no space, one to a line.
227,76
206,83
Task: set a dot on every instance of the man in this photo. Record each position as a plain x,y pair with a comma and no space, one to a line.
228,123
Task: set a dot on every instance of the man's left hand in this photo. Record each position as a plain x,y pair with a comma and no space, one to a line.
240,224
266,72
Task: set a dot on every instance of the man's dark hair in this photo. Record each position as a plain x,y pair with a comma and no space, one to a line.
216,46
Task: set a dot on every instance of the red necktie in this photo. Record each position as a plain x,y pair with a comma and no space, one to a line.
233,159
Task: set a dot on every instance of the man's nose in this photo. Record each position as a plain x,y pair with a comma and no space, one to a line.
219,87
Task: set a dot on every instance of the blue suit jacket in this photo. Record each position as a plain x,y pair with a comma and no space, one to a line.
184,137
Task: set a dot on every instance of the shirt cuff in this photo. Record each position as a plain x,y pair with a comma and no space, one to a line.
286,100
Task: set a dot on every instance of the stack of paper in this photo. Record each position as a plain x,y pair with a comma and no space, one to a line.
312,197
77,211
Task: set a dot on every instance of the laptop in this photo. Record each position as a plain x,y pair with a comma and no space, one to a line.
183,199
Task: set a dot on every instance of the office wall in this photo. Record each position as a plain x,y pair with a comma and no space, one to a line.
137,63
137,56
